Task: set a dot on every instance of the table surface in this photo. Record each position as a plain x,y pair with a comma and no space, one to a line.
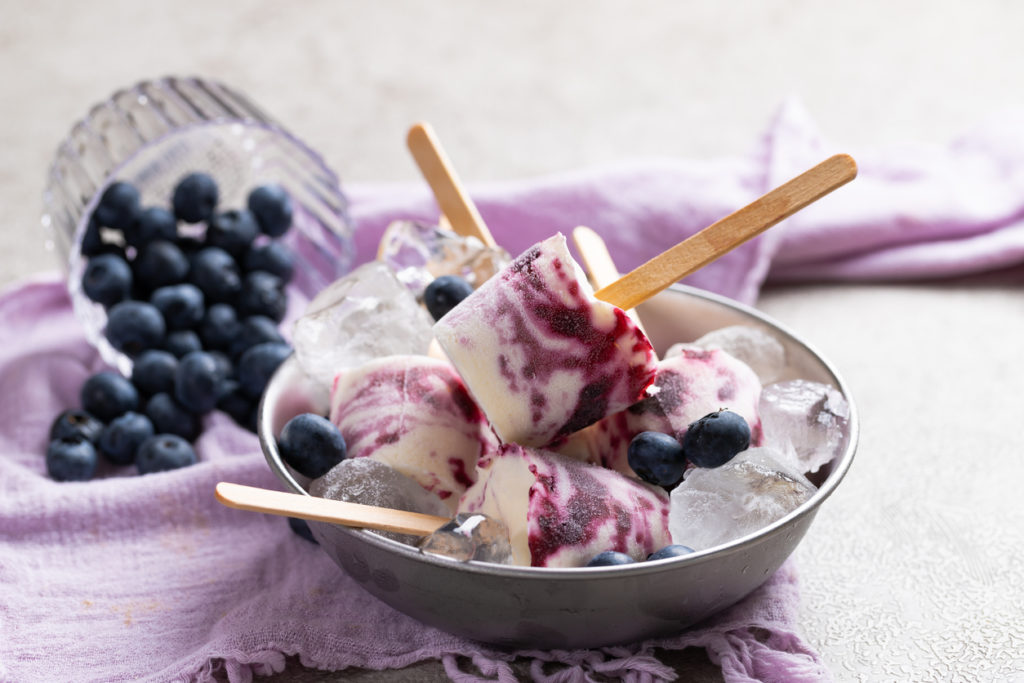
912,569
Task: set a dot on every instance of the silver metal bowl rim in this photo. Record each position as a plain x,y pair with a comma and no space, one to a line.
841,466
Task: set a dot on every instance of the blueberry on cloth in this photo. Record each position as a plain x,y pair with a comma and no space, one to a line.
714,439
256,329
108,395
123,436
153,371
199,382
215,272
444,293
219,326
107,279
75,423
263,294
134,327
273,209
153,223
163,452
160,263
195,197
72,459
311,444
233,231
610,558
656,458
180,343
300,528
119,206
258,364
237,404
674,550
181,305
272,257
169,417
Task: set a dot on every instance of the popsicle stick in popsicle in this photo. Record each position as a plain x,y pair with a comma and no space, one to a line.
728,233
451,196
598,262
284,504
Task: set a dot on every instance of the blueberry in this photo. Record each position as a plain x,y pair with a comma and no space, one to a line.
219,327
300,528
274,258
168,417
123,436
444,293
256,329
673,550
181,305
656,458
610,558
714,439
180,343
164,452
215,272
72,459
92,243
135,326
311,444
153,223
75,423
273,209
263,294
238,405
119,206
108,395
153,371
233,231
225,365
195,197
107,279
160,263
199,382
258,364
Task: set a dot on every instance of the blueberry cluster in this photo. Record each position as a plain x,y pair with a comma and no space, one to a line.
711,441
611,558
198,316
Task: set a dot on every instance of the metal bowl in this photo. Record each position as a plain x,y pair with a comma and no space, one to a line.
579,607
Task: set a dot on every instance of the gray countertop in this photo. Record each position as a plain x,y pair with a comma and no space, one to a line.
912,569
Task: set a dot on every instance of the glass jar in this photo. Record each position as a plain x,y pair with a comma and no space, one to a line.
157,131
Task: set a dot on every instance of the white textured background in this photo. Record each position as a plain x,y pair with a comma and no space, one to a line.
913,569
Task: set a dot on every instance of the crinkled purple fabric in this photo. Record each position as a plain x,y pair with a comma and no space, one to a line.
133,577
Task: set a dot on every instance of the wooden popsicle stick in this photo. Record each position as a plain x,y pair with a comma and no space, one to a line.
598,262
254,499
449,192
728,233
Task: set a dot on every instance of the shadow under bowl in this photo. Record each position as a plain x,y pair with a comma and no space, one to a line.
586,607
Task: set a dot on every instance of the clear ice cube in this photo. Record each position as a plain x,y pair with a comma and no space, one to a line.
804,419
761,351
471,536
419,253
362,316
367,481
714,506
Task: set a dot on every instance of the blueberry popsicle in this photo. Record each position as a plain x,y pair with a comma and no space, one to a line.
414,414
542,357
561,512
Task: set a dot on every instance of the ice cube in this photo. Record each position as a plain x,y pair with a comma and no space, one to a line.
761,351
471,536
367,481
362,316
715,506
804,419
419,253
